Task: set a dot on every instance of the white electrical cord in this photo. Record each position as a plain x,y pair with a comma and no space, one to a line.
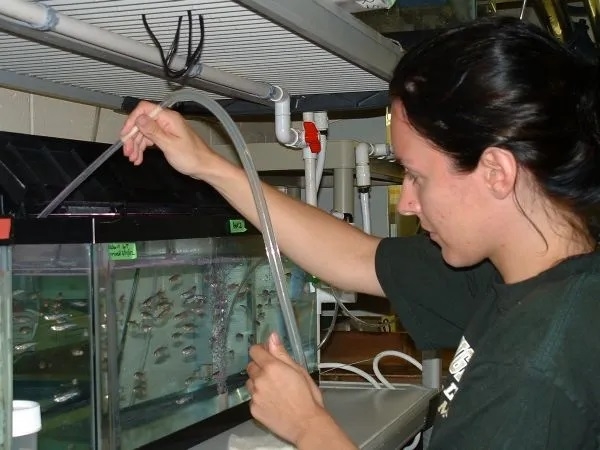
380,377
398,354
378,374
388,385
353,369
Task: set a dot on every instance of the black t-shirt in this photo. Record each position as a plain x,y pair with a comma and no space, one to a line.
526,372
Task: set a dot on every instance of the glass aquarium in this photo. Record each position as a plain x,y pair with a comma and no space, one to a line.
52,340
5,337
134,304
125,343
178,319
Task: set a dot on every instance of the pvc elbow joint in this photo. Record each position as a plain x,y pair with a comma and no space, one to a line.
321,121
382,151
363,172
284,132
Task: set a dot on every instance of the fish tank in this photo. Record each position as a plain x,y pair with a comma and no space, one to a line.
131,330
52,339
5,336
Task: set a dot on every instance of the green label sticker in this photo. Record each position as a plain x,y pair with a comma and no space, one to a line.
119,251
237,226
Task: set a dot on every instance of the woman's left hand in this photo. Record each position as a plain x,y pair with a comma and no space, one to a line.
284,397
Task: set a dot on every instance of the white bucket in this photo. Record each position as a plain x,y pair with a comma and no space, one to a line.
26,422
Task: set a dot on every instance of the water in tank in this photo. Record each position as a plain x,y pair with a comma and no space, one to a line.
52,338
123,344
185,313
5,336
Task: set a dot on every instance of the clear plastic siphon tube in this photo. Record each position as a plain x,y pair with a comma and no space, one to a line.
271,247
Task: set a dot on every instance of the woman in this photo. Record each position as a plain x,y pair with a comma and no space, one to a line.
497,127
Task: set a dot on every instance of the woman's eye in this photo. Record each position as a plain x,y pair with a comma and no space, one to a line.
410,177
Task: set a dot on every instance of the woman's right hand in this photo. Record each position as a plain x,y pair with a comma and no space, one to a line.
284,397
182,147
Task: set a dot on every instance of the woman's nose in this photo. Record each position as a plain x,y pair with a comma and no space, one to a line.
408,205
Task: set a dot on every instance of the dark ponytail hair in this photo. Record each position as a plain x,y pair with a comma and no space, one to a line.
500,82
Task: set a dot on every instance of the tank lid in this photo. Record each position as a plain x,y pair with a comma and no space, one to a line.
34,169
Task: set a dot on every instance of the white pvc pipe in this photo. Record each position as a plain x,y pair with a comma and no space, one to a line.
310,182
343,190
321,161
363,173
38,16
310,167
283,122
322,122
365,209
363,180
382,151
308,117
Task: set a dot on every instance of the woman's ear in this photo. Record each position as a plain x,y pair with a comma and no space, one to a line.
499,169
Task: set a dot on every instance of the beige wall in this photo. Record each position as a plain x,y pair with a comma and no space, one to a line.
21,112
